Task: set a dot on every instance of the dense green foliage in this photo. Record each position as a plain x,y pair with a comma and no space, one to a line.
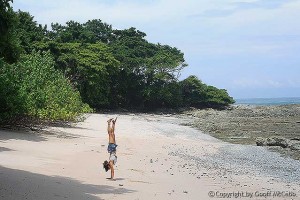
93,63
29,31
11,102
197,94
87,66
33,87
46,92
9,41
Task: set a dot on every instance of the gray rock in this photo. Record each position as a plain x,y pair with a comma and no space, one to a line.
278,141
273,141
295,146
261,141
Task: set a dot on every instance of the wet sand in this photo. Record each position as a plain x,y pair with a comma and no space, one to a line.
157,159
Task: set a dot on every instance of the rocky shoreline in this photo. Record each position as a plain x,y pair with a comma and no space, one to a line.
277,127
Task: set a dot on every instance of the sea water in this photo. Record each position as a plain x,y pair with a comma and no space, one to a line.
269,101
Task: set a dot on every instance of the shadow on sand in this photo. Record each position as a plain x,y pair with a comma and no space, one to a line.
21,135
5,149
19,184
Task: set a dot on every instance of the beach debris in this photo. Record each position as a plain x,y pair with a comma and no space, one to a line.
185,192
151,161
120,184
169,193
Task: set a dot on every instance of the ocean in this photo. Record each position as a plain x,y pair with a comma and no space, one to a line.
269,101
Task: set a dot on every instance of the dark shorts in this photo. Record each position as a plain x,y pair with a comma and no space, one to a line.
112,148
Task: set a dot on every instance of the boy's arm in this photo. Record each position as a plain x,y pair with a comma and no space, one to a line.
112,171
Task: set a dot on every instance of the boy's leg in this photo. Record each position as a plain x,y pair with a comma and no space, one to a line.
114,124
108,125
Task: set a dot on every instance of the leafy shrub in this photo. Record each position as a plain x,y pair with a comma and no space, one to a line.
197,94
33,87
11,102
217,97
193,91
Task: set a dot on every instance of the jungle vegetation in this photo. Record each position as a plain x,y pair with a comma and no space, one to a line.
60,72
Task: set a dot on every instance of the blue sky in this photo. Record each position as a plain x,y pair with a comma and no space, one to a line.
249,47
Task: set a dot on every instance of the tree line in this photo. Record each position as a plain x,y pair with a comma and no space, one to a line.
69,69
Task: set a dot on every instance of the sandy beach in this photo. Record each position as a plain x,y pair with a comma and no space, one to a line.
158,158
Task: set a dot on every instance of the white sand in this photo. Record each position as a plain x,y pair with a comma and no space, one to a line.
54,167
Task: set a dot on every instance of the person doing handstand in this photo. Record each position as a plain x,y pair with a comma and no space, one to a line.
112,148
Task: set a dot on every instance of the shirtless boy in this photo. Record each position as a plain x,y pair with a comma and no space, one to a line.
112,147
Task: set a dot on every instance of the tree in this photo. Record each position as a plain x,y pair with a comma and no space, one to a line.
132,51
9,42
167,61
72,32
32,87
146,68
89,67
11,102
161,77
197,94
118,68
92,31
29,31
217,98
5,22
193,91
97,31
